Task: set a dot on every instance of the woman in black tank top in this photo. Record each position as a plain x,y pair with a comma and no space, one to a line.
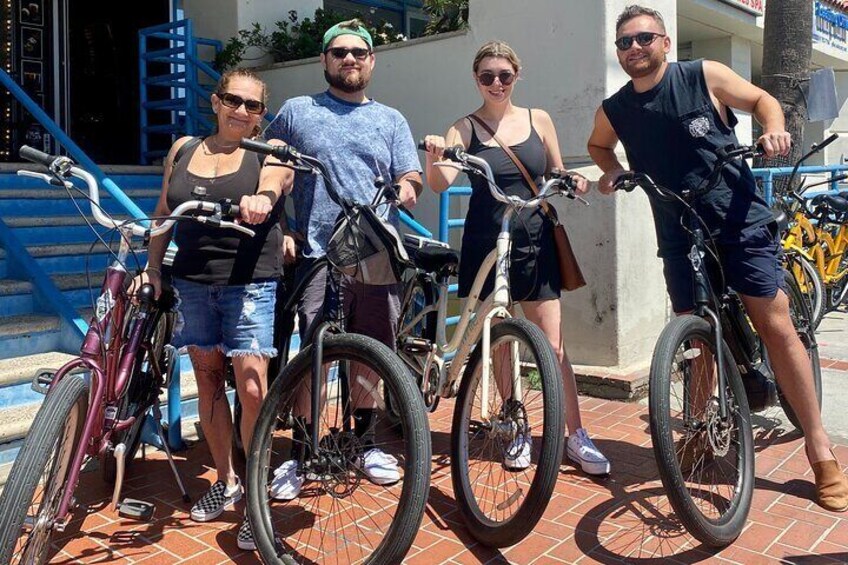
534,274
225,281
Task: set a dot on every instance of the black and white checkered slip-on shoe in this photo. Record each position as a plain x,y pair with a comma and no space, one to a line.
217,499
245,536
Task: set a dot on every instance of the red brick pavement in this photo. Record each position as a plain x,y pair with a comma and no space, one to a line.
624,518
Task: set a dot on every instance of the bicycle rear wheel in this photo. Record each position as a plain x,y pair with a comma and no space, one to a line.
504,467
806,333
810,286
339,516
706,463
35,486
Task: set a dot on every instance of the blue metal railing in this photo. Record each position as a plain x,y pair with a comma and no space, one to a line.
187,99
768,175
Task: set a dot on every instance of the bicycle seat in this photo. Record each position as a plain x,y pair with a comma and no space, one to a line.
440,260
835,203
781,219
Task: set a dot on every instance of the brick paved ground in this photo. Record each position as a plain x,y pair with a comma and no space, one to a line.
623,518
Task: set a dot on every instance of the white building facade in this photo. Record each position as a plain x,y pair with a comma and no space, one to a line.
569,67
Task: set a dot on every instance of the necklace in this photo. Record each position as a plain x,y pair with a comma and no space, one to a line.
224,150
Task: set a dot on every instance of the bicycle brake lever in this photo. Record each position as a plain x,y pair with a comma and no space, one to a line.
49,179
238,227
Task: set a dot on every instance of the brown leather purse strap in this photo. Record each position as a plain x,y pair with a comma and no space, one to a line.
509,153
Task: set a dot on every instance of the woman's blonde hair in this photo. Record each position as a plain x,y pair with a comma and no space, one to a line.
497,49
240,72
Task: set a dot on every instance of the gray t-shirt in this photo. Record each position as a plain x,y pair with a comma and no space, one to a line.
356,142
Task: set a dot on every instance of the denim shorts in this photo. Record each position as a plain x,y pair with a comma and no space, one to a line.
237,320
751,261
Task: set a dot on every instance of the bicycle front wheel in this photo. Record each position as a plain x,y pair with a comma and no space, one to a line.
36,483
340,515
706,461
506,449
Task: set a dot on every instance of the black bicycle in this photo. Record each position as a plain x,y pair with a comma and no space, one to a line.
706,368
308,416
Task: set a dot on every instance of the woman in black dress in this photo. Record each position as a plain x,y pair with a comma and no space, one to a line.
534,273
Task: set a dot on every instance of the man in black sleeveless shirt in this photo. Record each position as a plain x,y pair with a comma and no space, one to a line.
671,117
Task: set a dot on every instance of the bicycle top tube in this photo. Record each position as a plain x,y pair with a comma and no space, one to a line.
62,167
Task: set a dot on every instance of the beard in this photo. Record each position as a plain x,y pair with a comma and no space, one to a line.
350,82
646,67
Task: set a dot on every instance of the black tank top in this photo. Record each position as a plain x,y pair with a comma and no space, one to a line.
484,212
209,255
670,133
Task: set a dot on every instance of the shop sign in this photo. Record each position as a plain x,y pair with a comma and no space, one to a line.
751,6
830,27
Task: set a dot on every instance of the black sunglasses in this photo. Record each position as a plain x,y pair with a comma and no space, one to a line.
234,101
341,52
487,78
643,38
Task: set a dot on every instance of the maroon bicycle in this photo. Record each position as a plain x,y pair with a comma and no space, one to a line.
97,402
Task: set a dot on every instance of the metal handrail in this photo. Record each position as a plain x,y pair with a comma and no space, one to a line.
767,175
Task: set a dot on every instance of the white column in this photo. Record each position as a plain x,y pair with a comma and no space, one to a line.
735,52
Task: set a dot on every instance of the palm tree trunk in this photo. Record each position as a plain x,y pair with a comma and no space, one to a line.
787,49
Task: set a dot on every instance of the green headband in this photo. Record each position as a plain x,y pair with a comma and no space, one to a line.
345,28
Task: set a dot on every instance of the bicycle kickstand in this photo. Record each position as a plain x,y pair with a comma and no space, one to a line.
157,417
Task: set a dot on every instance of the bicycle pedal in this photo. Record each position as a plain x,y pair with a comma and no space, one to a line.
136,509
42,379
416,345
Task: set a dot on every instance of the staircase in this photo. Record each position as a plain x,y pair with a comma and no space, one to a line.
47,223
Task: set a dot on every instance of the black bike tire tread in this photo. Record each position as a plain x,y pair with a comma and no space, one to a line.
521,524
34,453
404,528
703,530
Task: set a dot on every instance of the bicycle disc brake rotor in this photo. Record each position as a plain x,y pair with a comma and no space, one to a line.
718,430
338,454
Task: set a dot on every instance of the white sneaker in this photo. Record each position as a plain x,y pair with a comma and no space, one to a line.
287,482
380,467
581,450
517,456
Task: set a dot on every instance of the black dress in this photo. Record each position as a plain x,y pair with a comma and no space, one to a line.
534,271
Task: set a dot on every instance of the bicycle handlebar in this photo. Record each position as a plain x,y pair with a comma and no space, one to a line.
62,167
475,165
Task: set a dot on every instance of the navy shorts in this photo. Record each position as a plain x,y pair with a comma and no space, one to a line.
751,261
236,320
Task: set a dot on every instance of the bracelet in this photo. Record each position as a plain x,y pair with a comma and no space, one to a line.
146,269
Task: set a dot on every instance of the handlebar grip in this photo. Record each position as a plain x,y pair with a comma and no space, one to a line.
234,211
830,139
284,153
36,156
422,145
455,153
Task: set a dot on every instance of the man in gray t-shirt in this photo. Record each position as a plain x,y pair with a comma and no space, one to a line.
358,140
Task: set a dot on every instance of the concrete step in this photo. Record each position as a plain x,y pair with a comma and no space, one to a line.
16,295
75,258
48,202
37,230
28,334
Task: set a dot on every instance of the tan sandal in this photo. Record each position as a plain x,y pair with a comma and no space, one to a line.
831,485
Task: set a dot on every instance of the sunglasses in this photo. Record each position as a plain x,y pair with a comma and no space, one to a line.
487,78
341,52
234,101
643,38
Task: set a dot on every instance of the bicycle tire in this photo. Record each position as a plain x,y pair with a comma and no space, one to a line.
732,510
838,291
472,454
419,295
414,456
806,333
138,398
56,430
810,286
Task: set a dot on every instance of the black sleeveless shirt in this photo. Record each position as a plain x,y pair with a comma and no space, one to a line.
210,255
670,133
